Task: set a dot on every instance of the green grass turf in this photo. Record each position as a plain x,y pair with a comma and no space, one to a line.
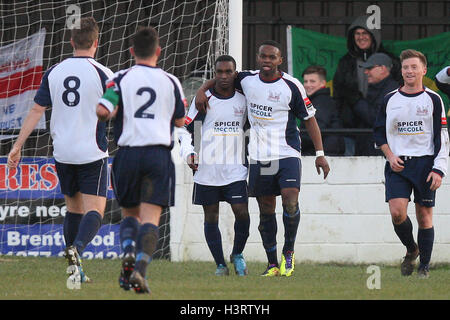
33,278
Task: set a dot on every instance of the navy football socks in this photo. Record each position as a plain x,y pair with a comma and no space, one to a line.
89,226
129,228
425,239
147,240
404,232
214,241
268,231
70,226
241,233
291,222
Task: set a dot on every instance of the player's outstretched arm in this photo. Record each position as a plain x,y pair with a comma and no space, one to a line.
201,100
28,126
314,132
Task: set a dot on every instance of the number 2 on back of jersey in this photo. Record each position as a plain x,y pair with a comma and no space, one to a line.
140,113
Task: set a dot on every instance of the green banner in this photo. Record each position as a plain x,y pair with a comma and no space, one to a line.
306,47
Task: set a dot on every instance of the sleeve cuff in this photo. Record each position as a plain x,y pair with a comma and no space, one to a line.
439,172
107,104
309,116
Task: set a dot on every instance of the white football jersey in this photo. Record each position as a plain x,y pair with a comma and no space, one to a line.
221,153
72,88
150,99
414,125
272,109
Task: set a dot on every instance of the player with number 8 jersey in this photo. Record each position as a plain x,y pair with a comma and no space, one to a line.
72,88
80,147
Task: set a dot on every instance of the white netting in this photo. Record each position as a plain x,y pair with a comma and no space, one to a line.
192,34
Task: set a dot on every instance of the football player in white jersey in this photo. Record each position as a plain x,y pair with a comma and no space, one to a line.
411,130
221,173
149,103
80,148
274,100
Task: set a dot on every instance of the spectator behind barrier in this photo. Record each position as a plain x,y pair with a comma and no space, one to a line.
314,81
350,82
377,69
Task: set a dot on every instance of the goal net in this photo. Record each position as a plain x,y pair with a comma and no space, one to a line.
35,35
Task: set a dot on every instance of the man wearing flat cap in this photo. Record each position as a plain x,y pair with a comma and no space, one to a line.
377,68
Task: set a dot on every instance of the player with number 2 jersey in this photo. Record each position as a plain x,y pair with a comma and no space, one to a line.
147,103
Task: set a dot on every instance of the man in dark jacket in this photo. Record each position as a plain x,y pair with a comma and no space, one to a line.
314,81
380,82
350,82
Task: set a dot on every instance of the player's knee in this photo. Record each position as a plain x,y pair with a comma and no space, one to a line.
425,217
424,222
398,210
266,208
211,217
266,205
241,212
291,208
94,203
242,215
397,216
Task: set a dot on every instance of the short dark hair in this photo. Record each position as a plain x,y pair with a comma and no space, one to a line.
321,71
225,58
145,42
272,43
84,36
411,53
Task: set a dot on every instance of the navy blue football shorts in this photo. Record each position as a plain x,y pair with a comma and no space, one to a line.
269,177
412,178
88,178
143,174
235,192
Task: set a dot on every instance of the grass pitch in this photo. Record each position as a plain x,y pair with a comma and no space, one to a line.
31,278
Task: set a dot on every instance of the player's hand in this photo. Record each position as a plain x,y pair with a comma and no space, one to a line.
321,162
396,163
201,102
436,180
192,161
14,157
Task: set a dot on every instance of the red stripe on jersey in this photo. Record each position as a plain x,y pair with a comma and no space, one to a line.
308,103
110,84
20,82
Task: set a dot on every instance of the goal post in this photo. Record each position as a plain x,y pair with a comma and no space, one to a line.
235,16
192,34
